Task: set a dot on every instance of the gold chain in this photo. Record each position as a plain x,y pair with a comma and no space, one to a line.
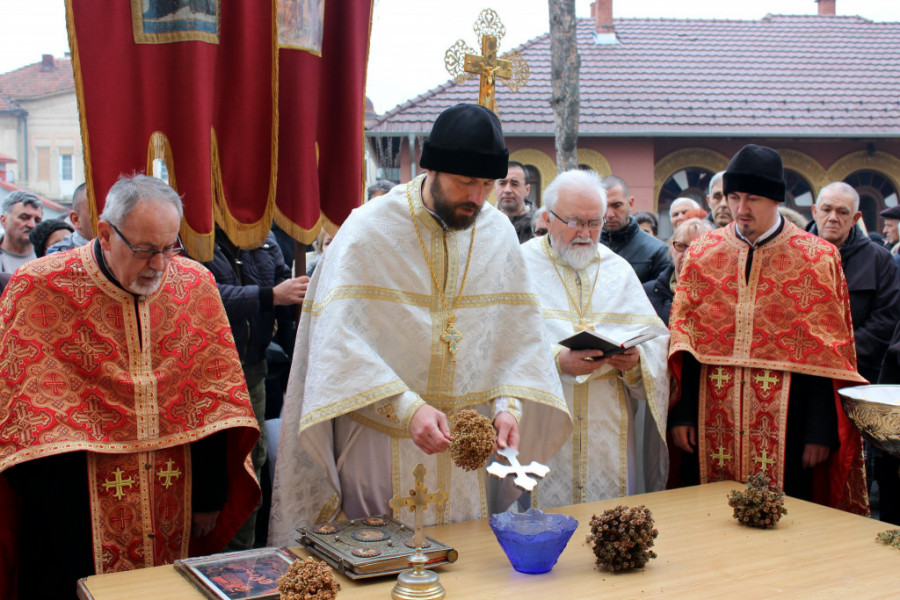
582,324
450,334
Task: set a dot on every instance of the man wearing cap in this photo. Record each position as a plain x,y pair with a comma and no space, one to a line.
421,307
761,339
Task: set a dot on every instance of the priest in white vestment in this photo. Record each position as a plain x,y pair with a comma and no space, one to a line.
618,404
422,307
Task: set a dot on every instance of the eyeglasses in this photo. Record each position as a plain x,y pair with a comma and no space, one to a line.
680,246
148,253
576,223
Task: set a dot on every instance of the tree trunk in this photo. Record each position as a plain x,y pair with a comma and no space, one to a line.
565,64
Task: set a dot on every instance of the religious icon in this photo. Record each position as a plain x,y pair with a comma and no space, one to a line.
300,24
158,21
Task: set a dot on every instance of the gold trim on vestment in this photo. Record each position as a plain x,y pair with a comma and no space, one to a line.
352,403
623,439
444,482
580,444
395,474
329,510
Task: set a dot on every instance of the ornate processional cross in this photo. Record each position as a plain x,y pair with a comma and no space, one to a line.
462,61
522,472
418,500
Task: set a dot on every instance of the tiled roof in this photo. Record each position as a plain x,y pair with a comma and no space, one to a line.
779,76
34,81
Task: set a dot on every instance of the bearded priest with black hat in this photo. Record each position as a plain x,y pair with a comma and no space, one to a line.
422,307
761,339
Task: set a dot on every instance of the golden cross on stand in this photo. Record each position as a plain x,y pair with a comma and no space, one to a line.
764,461
168,474
462,61
118,483
418,500
721,456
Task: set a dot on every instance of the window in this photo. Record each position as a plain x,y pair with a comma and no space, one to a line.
65,167
691,182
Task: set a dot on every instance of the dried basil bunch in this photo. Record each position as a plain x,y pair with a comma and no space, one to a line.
759,505
473,439
308,580
622,537
891,537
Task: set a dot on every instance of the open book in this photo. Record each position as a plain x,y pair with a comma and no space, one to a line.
591,340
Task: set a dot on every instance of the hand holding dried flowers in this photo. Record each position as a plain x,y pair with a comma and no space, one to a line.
473,439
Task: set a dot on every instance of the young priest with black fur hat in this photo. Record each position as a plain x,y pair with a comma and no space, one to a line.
422,307
761,339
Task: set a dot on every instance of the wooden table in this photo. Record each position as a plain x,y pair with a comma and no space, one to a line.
814,552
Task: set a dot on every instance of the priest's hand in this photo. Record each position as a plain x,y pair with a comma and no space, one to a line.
626,360
814,454
290,291
580,362
685,437
430,430
507,431
203,523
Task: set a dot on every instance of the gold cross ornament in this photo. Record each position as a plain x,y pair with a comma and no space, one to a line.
418,500
168,474
463,62
721,456
118,483
764,461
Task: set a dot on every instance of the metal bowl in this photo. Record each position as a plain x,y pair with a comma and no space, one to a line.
875,410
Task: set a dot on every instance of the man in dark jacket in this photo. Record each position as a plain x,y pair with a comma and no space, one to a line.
257,290
874,286
872,278
647,255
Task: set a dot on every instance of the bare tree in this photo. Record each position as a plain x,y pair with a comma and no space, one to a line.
565,65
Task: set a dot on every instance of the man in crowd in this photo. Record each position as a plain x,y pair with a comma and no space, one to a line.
680,208
124,419
421,307
80,217
761,337
872,279
259,295
379,188
647,255
20,213
511,192
890,233
719,212
584,285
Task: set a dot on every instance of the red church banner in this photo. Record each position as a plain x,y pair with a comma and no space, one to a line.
194,85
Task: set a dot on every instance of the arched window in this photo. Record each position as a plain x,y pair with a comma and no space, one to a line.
533,178
876,193
798,194
690,182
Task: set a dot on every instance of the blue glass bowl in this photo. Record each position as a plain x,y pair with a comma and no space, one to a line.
533,540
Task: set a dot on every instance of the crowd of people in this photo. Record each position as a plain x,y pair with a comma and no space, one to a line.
137,383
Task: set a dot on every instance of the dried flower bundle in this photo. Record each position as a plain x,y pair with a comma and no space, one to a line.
473,439
891,537
308,580
759,505
622,537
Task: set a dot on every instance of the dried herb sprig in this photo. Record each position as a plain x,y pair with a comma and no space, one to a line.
308,580
891,537
622,537
473,439
760,505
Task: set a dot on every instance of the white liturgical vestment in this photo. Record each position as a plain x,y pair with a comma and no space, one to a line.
610,453
370,352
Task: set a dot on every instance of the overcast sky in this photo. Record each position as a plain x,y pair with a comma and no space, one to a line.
410,37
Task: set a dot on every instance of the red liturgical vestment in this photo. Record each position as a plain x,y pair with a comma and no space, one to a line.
751,333
131,381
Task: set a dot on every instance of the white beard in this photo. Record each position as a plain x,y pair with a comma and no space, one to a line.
577,257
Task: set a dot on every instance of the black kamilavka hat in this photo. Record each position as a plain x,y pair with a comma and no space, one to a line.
466,140
755,170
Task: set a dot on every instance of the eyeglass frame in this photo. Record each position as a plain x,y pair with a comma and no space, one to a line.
167,252
674,247
580,223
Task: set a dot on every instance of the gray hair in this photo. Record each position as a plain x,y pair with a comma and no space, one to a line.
843,188
537,217
715,179
578,179
382,185
129,190
611,181
681,199
26,198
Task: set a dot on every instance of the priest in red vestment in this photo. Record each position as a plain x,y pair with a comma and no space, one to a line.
761,339
125,425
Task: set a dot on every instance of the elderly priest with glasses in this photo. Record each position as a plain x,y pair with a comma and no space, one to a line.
125,423
618,402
